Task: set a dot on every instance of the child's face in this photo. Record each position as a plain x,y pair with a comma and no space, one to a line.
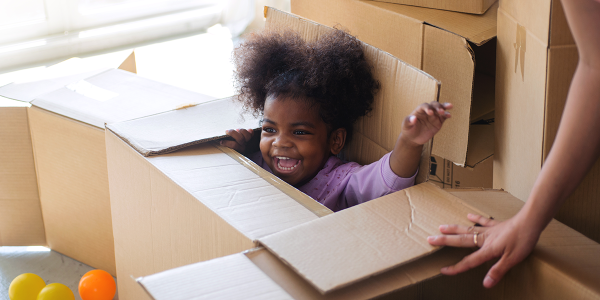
294,141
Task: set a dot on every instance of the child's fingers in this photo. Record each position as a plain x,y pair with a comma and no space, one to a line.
237,136
410,121
231,144
246,133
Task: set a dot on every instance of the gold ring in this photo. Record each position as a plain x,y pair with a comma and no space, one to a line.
475,234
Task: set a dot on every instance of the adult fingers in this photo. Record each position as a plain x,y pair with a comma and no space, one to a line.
498,271
460,229
469,262
481,220
464,240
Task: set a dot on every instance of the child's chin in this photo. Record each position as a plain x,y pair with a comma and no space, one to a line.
291,180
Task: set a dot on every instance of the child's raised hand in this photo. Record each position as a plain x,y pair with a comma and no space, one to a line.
424,122
240,139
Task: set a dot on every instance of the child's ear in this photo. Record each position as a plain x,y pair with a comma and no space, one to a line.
337,140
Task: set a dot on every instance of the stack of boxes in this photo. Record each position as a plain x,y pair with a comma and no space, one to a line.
184,207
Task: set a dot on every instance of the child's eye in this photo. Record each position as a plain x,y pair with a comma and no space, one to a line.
300,132
268,129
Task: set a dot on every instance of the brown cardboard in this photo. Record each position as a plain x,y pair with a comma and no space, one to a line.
447,175
532,85
21,221
466,6
562,266
208,201
455,48
20,213
375,236
66,121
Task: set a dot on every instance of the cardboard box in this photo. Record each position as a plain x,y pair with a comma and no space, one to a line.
447,175
205,201
537,58
563,265
66,121
457,49
465,6
21,221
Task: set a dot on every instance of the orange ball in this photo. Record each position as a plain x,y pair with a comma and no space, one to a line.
97,285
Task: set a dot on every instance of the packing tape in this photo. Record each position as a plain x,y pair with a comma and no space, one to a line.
303,199
520,47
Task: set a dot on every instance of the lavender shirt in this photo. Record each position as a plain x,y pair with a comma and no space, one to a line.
340,184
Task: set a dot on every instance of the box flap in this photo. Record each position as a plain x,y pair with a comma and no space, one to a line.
375,236
27,91
229,277
478,29
114,96
481,143
176,129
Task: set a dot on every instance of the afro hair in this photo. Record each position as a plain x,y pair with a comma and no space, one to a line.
330,72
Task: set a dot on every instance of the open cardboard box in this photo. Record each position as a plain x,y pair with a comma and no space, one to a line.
537,58
457,49
55,146
205,201
562,266
465,6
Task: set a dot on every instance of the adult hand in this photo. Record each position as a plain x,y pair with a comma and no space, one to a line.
511,240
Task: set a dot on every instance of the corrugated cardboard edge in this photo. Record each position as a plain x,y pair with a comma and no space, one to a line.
146,153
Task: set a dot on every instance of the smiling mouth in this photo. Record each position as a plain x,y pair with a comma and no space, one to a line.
286,164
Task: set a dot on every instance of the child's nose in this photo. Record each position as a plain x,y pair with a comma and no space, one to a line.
282,141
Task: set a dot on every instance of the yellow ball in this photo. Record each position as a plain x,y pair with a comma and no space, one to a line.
26,286
56,291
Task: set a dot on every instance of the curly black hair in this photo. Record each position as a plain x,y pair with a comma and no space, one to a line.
330,72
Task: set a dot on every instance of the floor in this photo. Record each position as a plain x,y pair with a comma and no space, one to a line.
200,63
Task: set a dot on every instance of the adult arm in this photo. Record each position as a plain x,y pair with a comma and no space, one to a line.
575,149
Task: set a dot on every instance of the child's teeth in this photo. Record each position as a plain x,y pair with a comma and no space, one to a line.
285,168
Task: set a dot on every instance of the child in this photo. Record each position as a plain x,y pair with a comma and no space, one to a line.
309,95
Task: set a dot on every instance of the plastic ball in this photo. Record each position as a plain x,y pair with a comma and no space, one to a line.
25,287
97,285
56,291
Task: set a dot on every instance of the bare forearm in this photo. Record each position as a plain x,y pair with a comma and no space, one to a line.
575,149
405,158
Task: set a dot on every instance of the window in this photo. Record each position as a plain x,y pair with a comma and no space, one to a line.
33,31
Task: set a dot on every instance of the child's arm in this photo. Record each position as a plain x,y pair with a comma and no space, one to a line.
418,128
241,139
